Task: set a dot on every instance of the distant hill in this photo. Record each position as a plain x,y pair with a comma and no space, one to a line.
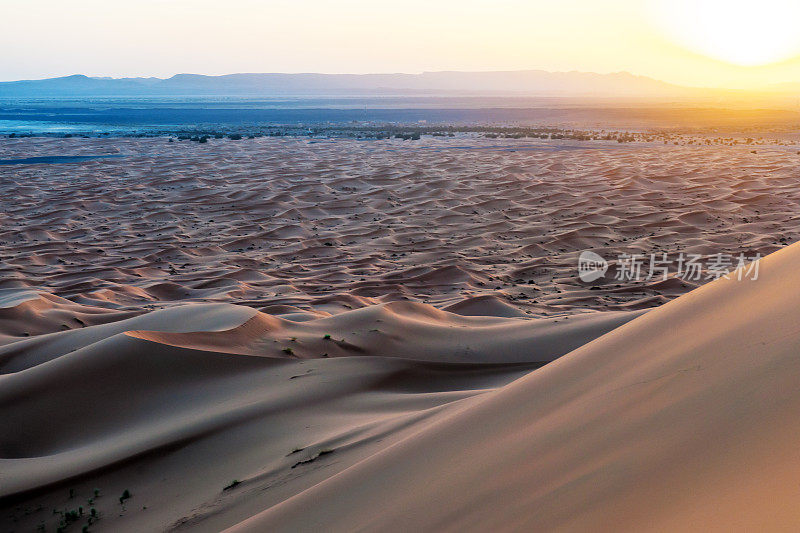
523,82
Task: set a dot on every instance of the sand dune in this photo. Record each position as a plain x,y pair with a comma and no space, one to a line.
259,360
684,419
166,389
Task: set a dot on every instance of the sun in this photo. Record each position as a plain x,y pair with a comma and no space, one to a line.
747,33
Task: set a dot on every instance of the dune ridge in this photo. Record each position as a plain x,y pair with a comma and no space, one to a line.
85,403
682,419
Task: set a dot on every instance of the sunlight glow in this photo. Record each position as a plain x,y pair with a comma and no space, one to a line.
740,32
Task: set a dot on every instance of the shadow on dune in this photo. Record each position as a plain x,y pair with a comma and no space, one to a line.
238,390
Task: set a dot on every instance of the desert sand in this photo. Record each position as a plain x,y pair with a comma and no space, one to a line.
294,335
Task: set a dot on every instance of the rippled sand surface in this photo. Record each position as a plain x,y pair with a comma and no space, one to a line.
326,226
294,334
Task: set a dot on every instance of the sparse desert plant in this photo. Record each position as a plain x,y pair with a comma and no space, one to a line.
126,494
324,451
327,337
232,484
288,351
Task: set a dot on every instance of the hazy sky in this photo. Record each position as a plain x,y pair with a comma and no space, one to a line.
695,42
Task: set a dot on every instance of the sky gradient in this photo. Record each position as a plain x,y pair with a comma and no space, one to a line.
675,41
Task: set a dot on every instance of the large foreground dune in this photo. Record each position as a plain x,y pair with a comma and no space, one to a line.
684,419
174,405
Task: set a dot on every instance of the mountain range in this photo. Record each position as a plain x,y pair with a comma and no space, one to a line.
519,83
